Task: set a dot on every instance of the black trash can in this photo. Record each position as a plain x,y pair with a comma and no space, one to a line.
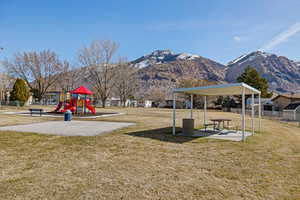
188,127
68,115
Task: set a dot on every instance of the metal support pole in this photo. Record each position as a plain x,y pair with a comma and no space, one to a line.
192,106
205,110
259,112
243,115
174,114
252,113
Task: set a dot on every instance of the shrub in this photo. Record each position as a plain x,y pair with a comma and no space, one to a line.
20,92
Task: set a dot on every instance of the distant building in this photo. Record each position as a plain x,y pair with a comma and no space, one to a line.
116,102
148,104
266,103
292,112
145,103
169,104
51,98
283,100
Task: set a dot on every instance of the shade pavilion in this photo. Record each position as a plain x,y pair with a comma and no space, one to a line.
221,90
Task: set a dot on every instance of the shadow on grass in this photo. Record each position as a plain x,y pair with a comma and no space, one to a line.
163,134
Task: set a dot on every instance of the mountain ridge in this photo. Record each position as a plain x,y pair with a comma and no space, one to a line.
163,69
282,73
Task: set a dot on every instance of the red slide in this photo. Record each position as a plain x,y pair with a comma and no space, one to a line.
91,108
69,106
58,107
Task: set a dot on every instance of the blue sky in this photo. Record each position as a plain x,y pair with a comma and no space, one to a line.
218,29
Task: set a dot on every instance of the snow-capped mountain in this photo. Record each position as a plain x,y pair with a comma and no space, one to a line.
282,73
164,69
248,57
161,56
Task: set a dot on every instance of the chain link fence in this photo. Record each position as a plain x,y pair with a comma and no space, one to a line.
267,114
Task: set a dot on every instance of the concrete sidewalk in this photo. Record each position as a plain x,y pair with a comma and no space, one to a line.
72,128
224,134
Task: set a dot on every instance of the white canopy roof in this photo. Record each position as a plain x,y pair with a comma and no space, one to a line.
219,90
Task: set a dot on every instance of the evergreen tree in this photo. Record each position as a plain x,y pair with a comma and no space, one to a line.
20,92
253,78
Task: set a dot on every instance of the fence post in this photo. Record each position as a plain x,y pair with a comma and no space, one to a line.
259,111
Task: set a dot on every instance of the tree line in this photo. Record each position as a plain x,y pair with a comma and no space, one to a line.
43,71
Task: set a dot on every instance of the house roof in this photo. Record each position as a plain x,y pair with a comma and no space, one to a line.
219,90
292,106
288,96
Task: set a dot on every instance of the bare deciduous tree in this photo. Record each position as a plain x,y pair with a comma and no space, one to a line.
97,58
40,70
157,94
190,82
126,82
71,79
5,81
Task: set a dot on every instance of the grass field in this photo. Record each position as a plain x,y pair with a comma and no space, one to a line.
145,162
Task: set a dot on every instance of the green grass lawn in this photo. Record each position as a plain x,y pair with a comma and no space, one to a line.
145,161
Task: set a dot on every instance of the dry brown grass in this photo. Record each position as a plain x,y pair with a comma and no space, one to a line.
145,162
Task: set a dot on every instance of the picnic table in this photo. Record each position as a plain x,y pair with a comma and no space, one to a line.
217,123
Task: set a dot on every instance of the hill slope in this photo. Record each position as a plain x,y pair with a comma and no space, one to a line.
282,73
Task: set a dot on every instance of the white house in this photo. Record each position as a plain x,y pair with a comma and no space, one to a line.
147,104
292,112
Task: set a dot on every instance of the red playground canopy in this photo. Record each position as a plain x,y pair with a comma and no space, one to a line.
82,90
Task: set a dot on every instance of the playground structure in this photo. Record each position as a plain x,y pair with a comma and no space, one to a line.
77,101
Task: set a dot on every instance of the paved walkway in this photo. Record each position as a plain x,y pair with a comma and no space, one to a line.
232,135
72,128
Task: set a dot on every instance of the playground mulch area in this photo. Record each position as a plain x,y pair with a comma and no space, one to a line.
60,114
144,161
97,114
